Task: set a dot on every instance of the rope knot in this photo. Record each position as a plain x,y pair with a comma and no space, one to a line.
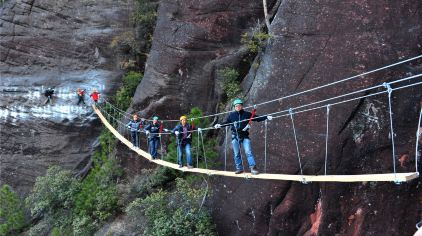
388,87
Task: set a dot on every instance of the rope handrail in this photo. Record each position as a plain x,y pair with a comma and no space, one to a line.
305,91
327,100
320,87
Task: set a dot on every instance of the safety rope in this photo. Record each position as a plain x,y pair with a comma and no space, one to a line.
307,91
390,90
265,146
319,87
225,149
203,150
197,150
326,139
418,135
333,98
348,100
297,146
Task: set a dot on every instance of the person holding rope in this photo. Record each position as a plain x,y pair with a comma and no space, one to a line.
134,125
153,130
240,121
183,132
81,96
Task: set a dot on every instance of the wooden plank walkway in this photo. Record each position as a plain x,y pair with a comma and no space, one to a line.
398,177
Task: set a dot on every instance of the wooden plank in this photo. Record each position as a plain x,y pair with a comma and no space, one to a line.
391,177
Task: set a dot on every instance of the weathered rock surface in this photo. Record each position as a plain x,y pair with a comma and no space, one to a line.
63,44
313,43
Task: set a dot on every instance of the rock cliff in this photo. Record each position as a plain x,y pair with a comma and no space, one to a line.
60,44
313,43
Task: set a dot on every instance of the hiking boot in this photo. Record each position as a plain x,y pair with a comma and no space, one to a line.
238,172
254,171
180,165
190,167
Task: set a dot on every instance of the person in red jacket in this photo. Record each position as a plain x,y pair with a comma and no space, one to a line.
95,96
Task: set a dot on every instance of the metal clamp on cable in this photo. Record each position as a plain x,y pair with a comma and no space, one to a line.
388,87
290,111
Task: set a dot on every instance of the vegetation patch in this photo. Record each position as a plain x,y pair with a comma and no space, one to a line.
231,83
173,213
12,218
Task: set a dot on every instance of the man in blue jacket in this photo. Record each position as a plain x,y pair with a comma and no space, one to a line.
152,130
239,122
134,126
183,132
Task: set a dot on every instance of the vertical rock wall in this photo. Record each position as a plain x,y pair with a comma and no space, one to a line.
313,43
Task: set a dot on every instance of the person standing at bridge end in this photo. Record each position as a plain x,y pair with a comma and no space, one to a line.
239,121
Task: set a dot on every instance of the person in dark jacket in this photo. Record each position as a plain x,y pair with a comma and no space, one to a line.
81,96
239,122
48,93
152,130
183,132
134,125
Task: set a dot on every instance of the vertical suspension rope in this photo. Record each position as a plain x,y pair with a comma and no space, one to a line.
265,146
197,150
389,90
203,150
418,134
225,150
297,146
326,139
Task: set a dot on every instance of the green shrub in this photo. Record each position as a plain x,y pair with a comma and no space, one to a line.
231,84
124,95
98,197
146,13
125,42
254,41
12,217
55,190
173,213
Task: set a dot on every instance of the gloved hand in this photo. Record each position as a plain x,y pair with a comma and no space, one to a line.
199,130
165,130
269,117
246,127
176,133
128,126
217,126
147,132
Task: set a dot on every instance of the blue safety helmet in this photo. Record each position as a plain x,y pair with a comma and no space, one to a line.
237,101
155,118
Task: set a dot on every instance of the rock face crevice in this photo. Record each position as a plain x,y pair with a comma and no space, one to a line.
313,43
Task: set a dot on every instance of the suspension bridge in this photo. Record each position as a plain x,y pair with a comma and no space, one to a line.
111,117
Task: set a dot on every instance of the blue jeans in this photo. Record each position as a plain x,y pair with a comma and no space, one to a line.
180,153
153,145
246,142
135,138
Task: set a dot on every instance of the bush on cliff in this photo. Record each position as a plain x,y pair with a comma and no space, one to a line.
12,217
